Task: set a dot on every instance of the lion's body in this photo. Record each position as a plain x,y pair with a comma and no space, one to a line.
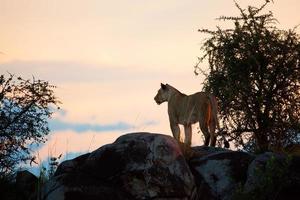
190,109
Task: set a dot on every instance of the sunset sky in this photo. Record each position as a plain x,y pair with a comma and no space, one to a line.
107,59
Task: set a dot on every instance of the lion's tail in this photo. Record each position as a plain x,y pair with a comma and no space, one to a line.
214,106
214,117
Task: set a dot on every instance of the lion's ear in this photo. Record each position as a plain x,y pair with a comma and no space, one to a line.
163,86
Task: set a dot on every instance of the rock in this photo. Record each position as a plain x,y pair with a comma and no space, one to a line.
218,174
26,184
257,169
200,151
135,166
273,176
155,166
292,188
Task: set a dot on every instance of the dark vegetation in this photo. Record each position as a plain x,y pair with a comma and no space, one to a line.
274,179
24,111
254,70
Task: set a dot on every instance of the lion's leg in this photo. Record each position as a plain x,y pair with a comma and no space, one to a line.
213,140
212,131
188,134
204,129
175,131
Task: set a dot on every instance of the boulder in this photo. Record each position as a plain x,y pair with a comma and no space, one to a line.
258,167
26,184
273,176
292,188
201,151
154,166
135,166
219,173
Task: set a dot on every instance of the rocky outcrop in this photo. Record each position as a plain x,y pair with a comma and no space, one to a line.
152,166
135,166
219,174
274,176
26,184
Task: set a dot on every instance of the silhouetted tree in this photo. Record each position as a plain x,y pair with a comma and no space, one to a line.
24,110
254,70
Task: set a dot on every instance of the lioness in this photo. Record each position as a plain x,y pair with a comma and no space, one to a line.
189,109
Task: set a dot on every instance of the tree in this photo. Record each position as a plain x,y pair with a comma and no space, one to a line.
24,110
255,73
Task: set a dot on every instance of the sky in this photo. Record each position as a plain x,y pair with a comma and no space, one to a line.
108,58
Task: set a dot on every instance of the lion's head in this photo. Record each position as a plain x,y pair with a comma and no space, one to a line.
162,94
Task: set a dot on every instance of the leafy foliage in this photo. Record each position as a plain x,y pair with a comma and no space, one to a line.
24,110
255,73
272,179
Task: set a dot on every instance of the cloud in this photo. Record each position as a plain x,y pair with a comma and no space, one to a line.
62,112
72,71
70,143
58,125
